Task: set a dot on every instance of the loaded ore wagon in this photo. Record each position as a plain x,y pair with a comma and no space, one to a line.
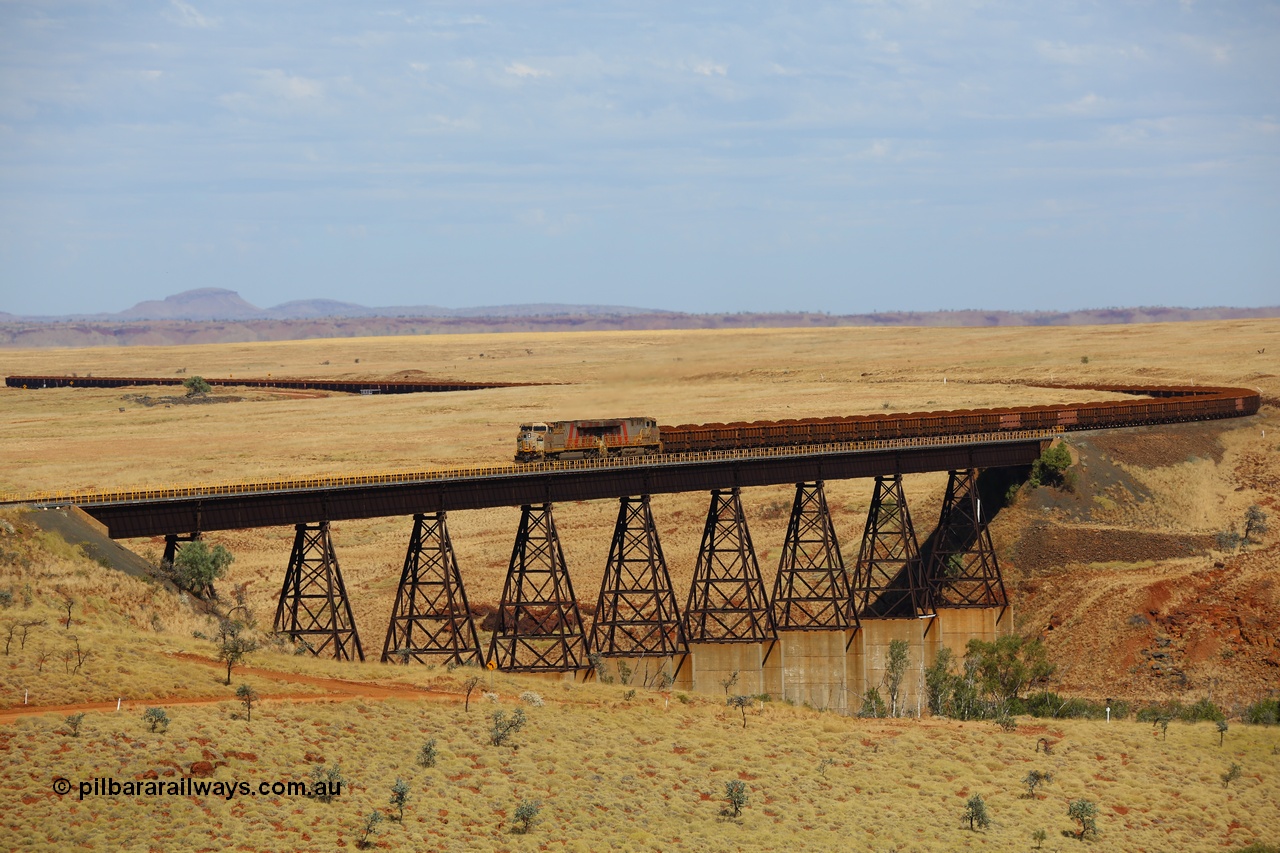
587,439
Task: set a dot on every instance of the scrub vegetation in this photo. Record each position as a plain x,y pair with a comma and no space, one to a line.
1123,596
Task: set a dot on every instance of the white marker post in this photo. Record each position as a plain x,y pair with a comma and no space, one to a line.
117,705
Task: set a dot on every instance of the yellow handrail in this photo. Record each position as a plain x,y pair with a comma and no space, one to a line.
244,487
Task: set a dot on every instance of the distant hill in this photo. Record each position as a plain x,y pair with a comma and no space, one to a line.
209,304
215,315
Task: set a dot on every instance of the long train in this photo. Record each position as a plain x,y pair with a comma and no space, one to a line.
1161,405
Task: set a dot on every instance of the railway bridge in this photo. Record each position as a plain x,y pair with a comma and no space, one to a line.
821,636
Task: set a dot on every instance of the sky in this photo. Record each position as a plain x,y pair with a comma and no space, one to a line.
740,156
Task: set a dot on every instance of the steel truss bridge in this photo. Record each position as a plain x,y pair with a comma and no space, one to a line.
539,626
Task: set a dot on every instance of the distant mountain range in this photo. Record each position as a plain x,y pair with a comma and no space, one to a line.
216,304
214,315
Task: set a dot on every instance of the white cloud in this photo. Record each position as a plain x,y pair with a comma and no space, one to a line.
519,69
276,89
707,68
291,87
190,16
1089,104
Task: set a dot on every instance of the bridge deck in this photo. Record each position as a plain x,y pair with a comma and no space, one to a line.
241,506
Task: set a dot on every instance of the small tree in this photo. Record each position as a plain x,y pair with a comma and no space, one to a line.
1255,525
1233,773
939,682
735,794
730,682
196,386
400,796
1050,469
895,670
504,728
1038,837
326,782
427,755
370,825
975,811
1085,813
872,704
526,815
233,645
248,696
156,718
1034,780
470,684
1222,731
741,703
73,724
196,566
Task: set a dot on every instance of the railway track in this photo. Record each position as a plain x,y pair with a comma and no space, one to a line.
347,386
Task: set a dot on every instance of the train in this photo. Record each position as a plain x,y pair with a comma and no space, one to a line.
630,436
590,439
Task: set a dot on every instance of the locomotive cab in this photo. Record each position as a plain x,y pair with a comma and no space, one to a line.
531,442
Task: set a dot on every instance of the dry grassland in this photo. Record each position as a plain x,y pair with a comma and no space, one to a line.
645,772
78,438
613,769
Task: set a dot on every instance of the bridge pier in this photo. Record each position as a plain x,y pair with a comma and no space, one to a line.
313,605
637,622
812,609
430,620
962,566
727,620
890,598
888,579
963,573
539,625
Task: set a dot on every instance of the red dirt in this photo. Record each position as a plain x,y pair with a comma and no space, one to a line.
338,690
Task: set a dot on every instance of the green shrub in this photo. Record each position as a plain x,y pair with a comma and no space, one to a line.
975,811
367,829
1049,704
156,718
735,794
526,815
873,705
1201,712
502,729
1085,813
427,755
327,782
1233,773
1051,468
1265,712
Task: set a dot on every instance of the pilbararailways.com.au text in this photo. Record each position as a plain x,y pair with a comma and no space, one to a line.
188,787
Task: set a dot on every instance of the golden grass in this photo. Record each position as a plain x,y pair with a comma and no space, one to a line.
645,772
78,438
636,775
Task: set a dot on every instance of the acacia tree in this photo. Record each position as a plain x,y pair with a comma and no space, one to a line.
196,566
975,811
1085,813
895,670
1255,524
233,645
247,695
196,385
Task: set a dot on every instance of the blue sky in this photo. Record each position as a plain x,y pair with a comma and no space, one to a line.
844,157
